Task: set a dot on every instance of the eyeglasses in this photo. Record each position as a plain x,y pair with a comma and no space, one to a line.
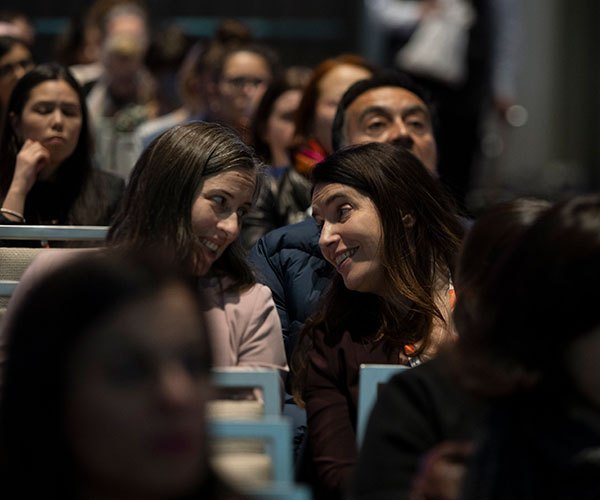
240,82
11,68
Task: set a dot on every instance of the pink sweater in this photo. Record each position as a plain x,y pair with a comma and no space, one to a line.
244,327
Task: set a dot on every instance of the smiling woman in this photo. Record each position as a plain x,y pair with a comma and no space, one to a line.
46,174
187,198
392,235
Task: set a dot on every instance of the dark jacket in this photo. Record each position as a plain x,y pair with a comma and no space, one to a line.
289,261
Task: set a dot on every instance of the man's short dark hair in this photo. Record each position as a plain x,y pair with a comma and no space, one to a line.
383,79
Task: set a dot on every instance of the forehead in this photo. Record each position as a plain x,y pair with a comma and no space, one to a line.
234,180
336,81
157,323
289,99
245,62
395,99
325,193
53,90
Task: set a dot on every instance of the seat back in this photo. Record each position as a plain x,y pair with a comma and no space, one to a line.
14,260
370,378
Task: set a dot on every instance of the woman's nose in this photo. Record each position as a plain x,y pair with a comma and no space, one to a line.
230,224
57,119
176,387
328,236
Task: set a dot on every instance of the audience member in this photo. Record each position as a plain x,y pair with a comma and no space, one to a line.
125,94
105,389
392,235
190,191
240,78
46,174
330,79
289,260
530,345
426,406
272,133
15,61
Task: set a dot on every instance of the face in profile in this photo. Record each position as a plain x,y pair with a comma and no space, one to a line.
13,65
393,115
331,89
351,236
52,117
135,404
245,78
218,211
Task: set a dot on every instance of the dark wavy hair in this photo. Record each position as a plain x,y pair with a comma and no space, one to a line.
537,300
43,336
415,259
156,209
72,175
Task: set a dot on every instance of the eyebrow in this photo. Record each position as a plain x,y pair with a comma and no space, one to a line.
61,103
374,110
383,110
331,198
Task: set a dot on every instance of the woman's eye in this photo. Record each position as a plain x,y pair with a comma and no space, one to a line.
127,371
219,200
242,212
344,212
71,112
319,223
43,109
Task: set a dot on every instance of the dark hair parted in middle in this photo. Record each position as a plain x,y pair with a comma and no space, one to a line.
415,256
157,206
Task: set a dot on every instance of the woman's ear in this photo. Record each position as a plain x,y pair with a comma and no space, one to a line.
408,220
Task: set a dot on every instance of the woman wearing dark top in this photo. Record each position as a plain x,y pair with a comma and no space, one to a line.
392,235
46,174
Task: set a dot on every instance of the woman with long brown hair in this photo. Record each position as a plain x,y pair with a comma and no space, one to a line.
392,235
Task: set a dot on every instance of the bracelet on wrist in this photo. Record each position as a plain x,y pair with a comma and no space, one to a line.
14,213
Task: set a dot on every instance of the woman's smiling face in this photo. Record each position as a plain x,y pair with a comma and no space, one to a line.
217,213
351,235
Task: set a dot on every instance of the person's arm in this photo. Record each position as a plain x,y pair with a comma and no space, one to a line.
31,159
261,342
331,430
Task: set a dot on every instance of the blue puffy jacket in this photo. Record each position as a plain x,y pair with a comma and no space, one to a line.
288,260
